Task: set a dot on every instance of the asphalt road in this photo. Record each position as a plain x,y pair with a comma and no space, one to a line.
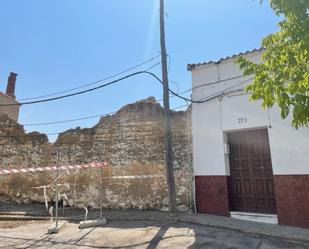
125,234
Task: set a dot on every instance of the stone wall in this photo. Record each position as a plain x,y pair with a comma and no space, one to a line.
131,141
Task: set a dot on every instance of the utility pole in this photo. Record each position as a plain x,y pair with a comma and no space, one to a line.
57,192
101,187
167,118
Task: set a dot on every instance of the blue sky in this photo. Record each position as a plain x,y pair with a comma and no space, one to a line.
60,44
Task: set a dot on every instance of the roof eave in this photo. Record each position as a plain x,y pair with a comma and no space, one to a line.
191,67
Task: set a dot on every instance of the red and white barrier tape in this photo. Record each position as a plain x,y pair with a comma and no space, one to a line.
53,168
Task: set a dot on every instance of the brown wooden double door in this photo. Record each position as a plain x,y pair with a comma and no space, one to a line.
251,181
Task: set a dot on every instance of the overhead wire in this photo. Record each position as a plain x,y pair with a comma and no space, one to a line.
69,120
109,83
94,82
84,91
224,91
213,83
105,114
105,85
68,131
119,122
82,118
202,100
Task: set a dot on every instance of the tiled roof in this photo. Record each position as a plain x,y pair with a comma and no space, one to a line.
192,66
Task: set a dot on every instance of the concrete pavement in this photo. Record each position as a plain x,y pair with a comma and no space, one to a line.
276,231
140,234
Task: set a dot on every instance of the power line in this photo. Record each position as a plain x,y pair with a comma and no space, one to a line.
105,85
214,83
84,91
74,119
94,82
225,91
99,87
210,98
177,86
36,136
153,66
69,120
57,133
105,114
81,141
219,81
119,122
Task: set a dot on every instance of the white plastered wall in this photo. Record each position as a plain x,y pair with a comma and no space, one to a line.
212,120
289,147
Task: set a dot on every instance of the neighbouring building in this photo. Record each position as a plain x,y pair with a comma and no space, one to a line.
248,161
8,98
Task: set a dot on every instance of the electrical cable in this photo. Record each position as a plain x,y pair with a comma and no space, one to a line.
100,115
213,83
105,85
177,86
69,120
153,66
84,91
92,83
126,121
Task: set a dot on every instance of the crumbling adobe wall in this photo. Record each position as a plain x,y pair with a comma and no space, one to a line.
131,141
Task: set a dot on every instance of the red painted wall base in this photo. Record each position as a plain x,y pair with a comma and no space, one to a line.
292,199
212,195
291,191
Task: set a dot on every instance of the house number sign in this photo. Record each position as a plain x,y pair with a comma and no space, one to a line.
242,120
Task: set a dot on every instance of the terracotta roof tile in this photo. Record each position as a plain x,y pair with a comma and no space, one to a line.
192,66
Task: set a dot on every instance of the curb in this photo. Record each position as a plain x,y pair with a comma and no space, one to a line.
265,233
294,236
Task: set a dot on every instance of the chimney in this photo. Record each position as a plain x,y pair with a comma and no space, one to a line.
10,89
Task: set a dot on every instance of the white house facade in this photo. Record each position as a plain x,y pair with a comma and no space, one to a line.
245,158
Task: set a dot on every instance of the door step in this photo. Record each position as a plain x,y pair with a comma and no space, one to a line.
257,217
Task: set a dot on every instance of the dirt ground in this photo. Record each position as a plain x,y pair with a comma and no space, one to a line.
13,224
140,234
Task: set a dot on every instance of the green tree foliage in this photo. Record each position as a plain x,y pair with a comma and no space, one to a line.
282,77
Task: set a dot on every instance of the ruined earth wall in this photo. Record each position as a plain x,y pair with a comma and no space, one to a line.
131,141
